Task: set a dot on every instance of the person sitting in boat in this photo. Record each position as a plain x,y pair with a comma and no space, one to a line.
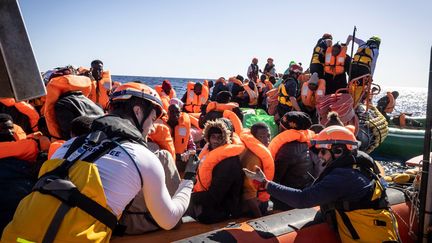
386,104
251,93
17,168
66,100
223,103
336,66
220,85
238,91
222,108
196,95
119,170
180,127
217,192
293,164
317,60
255,199
311,91
289,91
252,72
23,113
365,59
166,93
101,83
349,190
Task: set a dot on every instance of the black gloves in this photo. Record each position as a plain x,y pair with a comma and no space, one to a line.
191,168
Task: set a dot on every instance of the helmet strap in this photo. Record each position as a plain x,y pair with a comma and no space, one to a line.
138,125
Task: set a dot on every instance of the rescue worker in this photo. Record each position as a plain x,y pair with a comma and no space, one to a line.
101,83
387,103
125,168
180,127
255,199
217,193
311,91
317,60
364,61
336,66
196,95
269,69
290,150
289,91
252,72
349,190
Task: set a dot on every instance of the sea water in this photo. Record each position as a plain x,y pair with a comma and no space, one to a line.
411,100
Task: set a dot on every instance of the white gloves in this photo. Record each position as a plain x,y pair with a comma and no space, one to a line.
258,175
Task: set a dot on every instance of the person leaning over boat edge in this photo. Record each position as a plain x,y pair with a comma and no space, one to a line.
348,190
125,169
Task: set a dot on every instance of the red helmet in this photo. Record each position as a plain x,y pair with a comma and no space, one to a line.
295,68
332,135
127,90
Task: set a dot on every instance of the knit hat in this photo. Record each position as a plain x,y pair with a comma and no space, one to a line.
301,120
166,84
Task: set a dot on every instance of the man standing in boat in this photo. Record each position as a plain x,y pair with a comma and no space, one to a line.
253,69
348,190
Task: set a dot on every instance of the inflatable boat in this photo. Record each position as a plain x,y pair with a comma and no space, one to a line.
297,225
402,143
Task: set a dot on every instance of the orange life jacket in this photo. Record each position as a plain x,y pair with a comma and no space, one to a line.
304,77
272,100
268,84
55,88
162,137
215,106
194,102
210,159
287,136
24,149
267,162
253,94
164,97
391,103
24,108
19,133
161,93
310,97
335,65
181,133
237,124
100,90
194,121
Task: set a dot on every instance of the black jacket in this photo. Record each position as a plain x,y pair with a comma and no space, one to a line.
293,168
72,105
222,200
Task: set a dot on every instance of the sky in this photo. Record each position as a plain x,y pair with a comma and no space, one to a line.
209,39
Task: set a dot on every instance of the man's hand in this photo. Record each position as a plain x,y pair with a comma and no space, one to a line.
191,168
258,175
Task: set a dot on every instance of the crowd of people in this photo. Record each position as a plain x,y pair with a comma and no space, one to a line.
104,158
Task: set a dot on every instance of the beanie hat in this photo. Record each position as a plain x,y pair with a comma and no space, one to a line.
166,84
